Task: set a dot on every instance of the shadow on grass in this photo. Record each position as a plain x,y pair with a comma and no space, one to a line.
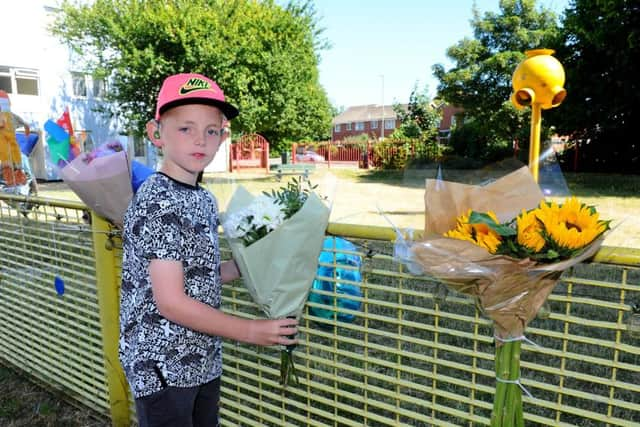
579,184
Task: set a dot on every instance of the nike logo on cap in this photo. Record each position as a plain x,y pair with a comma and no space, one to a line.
194,84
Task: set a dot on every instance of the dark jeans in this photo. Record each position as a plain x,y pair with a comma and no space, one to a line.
181,407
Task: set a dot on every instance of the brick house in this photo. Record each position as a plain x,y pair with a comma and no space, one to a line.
367,119
450,114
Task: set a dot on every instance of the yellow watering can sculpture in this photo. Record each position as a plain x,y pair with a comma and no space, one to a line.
537,82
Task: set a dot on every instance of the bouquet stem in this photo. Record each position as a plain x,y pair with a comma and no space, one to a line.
288,374
507,404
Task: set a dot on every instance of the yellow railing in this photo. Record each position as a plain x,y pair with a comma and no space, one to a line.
413,354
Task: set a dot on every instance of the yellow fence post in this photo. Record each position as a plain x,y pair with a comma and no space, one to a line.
108,296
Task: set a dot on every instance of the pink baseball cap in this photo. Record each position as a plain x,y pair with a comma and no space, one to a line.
190,88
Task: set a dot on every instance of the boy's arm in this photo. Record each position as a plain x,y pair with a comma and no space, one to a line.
167,283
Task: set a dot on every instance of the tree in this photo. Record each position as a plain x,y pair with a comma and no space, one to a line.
600,51
263,55
421,119
480,81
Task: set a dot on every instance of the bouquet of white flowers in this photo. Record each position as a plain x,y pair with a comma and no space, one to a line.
289,225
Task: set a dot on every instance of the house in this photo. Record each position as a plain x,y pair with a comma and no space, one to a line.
450,115
43,78
365,119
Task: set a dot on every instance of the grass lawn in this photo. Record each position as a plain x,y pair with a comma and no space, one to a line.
360,195
23,404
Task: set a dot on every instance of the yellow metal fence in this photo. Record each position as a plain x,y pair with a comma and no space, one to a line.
410,354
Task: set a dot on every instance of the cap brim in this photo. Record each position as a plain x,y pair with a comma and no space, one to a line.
227,109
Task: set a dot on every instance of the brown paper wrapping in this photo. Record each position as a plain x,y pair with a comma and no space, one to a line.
509,291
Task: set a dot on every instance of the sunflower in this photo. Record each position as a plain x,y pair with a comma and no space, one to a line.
572,225
487,237
479,233
463,230
530,230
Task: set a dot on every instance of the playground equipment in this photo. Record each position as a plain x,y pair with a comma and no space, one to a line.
537,82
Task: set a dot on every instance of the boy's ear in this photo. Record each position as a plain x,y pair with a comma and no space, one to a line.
153,132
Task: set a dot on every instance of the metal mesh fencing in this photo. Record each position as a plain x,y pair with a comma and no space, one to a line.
415,354
400,351
49,321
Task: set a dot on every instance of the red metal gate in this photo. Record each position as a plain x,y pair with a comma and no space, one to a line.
250,152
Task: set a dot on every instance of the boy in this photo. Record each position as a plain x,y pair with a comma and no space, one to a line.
171,327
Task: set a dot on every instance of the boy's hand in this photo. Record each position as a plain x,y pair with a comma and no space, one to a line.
272,332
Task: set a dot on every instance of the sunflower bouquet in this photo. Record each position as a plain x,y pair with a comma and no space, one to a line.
506,247
547,233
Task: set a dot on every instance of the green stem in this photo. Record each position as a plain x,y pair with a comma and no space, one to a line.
498,398
502,368
517,404
514,392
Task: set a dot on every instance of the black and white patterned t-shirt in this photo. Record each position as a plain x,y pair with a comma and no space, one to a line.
168,220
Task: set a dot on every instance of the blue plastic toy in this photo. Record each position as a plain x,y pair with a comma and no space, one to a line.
351,274
58,283
27,143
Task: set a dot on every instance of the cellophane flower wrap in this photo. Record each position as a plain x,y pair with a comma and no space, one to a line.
276,247
105,180
506,247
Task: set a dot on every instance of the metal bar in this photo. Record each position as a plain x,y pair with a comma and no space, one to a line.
108,296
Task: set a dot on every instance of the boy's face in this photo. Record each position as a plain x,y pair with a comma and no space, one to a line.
190,136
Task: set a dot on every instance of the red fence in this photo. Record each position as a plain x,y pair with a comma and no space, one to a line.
249,152
363,153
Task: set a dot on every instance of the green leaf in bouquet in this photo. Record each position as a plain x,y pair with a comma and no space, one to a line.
483,218
293,196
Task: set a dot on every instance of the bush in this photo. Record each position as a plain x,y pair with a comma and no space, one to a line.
390,155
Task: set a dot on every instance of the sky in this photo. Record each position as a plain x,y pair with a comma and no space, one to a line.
382,48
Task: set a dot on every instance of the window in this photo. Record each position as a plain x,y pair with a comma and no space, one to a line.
19,81
359,125
443,136
99,87
337,128
5,79
348,126
390,123
79,84
27,82
374,124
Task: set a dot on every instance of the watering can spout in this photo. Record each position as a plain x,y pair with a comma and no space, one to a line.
523,97
559,94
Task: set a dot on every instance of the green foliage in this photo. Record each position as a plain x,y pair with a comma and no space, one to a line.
263,55
391,155
479,140
599,48
293,196
420,120
355,139
480,80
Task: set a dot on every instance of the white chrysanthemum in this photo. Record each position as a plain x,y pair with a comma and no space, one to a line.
266,211
235,226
